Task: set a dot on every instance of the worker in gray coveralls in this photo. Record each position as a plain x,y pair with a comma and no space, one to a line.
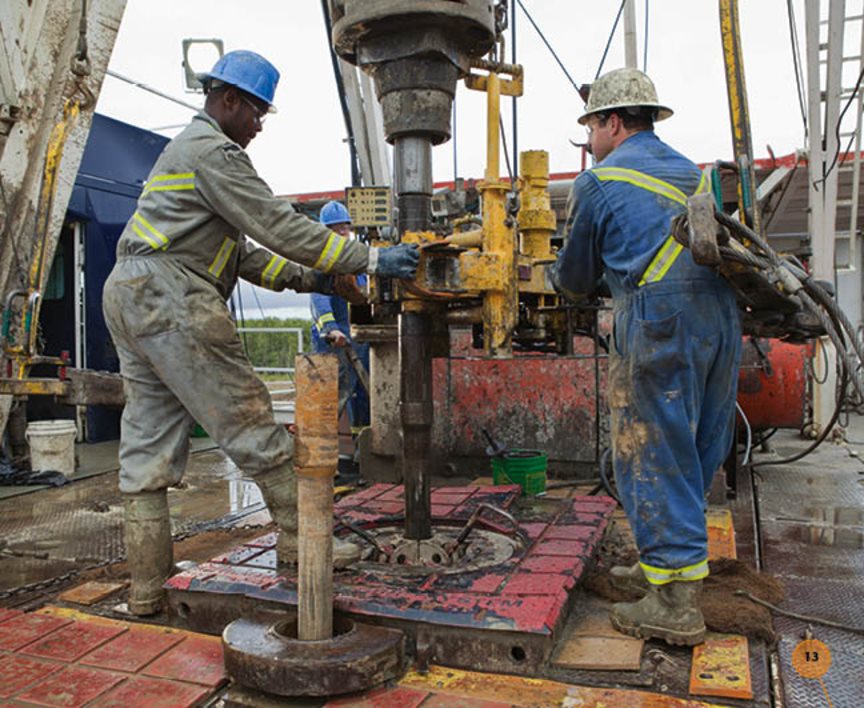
178,260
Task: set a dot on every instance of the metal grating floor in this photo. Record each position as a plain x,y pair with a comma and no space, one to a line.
812,524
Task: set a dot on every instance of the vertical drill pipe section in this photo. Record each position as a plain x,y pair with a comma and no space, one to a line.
499,306
413,168
415,344
316,457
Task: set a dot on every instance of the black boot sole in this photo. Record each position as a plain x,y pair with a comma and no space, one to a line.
670,636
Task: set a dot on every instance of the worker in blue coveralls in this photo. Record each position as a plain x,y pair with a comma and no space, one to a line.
331,329
674,354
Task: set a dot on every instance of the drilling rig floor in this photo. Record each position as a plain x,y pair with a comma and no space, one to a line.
523,623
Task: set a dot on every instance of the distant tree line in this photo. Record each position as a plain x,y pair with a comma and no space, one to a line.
274,349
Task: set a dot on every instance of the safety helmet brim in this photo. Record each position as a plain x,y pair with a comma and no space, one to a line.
663,112
207,77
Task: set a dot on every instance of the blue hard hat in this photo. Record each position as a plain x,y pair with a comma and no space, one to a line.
247,71
334,213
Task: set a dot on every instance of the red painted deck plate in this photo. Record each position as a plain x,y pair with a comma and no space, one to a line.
72,641
25,629
134,650
18,672
79,660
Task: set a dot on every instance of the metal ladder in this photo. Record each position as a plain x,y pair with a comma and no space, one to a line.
832,75
836,256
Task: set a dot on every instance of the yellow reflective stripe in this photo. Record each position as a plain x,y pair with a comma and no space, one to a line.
221,260
704,183
145,237
661,576
166,177
271,272
331,251
641,180
662,262
169,188
161,240
324,319
185,180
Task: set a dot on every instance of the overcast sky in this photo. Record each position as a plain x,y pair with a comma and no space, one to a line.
302,147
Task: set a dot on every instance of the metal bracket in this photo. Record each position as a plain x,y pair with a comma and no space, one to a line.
702,230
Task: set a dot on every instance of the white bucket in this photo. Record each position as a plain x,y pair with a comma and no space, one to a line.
52,445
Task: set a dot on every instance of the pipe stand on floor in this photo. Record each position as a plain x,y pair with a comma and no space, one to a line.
316,457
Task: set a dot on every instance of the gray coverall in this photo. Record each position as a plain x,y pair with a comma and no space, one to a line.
178,260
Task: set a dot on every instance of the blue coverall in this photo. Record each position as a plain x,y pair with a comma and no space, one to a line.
675,350
329,313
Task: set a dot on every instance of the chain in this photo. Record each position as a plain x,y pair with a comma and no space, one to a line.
59,580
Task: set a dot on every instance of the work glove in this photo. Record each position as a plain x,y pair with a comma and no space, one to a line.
398,261
336,338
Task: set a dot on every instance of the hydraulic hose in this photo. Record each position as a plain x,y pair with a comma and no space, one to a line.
820,303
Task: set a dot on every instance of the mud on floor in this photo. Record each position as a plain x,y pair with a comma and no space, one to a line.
724,611
198,548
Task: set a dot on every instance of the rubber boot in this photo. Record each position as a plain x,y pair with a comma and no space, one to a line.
149,550
669,612
629,579
279,489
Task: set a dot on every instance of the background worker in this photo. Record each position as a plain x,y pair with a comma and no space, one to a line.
674,355
331,329
178,260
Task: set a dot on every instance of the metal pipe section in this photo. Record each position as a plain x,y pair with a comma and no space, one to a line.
412,158
415,340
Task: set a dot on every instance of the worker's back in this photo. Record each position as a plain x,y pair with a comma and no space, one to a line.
643,184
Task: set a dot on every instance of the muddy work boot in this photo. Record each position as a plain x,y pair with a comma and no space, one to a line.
629,579
669,612
279,489
149,550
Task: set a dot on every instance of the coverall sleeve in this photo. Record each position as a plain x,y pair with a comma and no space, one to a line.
579,266
261,267
322,313
229,183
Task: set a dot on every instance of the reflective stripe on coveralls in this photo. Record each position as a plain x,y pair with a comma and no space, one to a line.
271,272
671,249
176,183
221,259
324,319
330,252
661,576
156,239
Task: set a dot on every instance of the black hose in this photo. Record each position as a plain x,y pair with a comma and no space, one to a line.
841,397
604,474
817,300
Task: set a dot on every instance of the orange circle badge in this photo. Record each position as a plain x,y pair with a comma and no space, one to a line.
811,658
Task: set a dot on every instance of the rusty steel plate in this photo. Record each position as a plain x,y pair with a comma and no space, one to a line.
264,653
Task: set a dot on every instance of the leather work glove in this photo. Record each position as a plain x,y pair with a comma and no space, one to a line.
345,286
336,338
398,261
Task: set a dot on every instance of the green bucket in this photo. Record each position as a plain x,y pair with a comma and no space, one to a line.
527,468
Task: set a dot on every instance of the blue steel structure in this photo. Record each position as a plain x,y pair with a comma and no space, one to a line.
114,167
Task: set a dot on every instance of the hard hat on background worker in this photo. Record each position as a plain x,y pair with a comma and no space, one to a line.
334,213
247,71
623,88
